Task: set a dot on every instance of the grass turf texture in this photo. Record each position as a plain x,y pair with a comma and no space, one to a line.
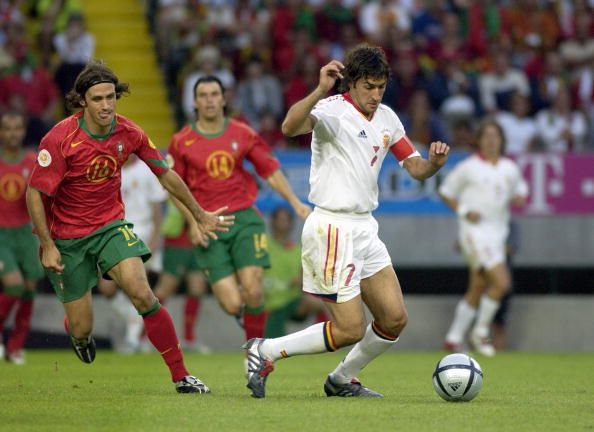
55,391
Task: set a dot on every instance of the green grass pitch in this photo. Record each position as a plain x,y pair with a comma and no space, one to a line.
521,392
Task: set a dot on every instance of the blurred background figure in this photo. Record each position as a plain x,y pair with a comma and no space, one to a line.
143,197
20,268
520,131
481,190
284,299
180,266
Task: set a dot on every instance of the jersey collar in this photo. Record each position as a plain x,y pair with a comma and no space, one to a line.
211,135
347,97
99,137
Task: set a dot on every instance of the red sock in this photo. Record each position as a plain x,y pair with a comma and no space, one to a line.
254,323
322,316
191,312
161,332
6,304
22,324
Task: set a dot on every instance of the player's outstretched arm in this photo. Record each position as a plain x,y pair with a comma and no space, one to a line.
279,183
298,120
207,222
421,169
51,258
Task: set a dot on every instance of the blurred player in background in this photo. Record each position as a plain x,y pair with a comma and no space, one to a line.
74,198
19,262
284,300
180,264
480,190
143,198
344,261
209,155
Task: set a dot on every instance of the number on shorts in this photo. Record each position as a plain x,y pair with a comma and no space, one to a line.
260,243
127,232
350,276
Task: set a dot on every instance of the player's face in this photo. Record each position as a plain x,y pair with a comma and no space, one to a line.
367,93
209,101
12,131
100,107
490,141
282,222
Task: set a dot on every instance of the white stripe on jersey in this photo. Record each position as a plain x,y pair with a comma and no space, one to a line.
347,153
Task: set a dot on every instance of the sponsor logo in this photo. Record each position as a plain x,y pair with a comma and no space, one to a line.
188,142
44,158
76,144
362,134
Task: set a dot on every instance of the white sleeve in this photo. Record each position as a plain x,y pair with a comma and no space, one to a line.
325,119
155,192
454,182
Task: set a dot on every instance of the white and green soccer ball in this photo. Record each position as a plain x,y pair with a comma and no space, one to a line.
458,377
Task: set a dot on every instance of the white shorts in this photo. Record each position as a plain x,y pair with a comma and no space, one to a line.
482,249
338,250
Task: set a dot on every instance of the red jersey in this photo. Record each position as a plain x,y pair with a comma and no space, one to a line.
81,173
212,165
181,241
13,184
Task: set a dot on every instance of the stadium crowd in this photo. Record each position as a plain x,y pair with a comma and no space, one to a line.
530,63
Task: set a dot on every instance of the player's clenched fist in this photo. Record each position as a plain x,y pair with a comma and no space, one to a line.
438,153
329,74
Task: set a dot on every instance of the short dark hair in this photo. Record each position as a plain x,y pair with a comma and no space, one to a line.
481,130
364,61
207,79
95,72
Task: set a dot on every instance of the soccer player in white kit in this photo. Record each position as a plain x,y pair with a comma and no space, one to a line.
480,190
344,261
143,198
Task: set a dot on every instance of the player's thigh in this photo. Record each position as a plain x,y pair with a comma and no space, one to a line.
249,245
107,288
499,278
130,275
196,283
10,275
477,284
79,313
228,294
28,254
215,260
250,279
382,294
167,285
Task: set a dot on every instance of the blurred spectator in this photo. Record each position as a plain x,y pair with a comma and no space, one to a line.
560,128
578,50
549,81
259,92
462,136
518,127
270,131
54,18
206,61
533,18
28,89
377,17
75,47
497,85
304,81
332,17
420,123
403,83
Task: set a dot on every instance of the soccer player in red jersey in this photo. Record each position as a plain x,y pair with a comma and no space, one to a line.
74,198
209,155
19,264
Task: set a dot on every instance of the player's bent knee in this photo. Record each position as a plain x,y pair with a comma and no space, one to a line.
395,325
143,299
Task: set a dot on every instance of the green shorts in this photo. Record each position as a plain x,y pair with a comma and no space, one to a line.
87,258
19,251
277,319
245,244
179,261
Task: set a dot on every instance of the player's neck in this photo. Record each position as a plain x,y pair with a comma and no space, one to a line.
211,126
11,154
493,159
94,130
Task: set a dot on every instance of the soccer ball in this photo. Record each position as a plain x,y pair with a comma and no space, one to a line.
457,377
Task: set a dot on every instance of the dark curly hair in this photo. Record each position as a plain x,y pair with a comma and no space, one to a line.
489,121
95,72
364,61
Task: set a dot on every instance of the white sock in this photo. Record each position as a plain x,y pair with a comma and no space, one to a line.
461,323
315,339
487,309
368,348
126,310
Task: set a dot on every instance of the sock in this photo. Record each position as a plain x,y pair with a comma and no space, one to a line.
122,305
375,342
6,304
191,312
487,309
22,324
254,321
161,332
314,339
462,319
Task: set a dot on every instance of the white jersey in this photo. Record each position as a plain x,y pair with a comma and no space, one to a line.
140,190
487,189
348,151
